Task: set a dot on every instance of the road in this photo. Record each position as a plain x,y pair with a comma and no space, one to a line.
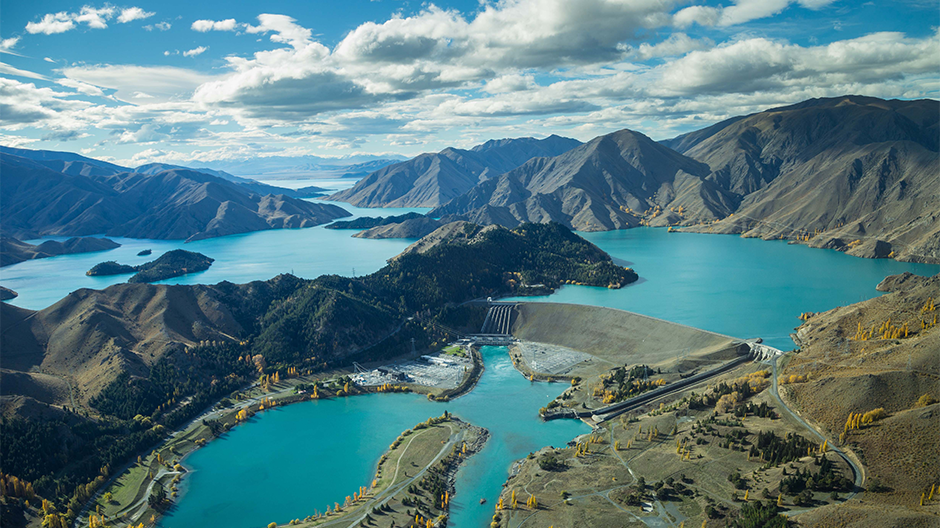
856,469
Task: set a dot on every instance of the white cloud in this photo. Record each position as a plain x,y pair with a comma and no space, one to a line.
747,10
284,29
23,104
760,64
676,45
51,24
510,83
16,141
133,13
701,15
195,51
214,25
7,44
47,59
162,26
739,12
94,17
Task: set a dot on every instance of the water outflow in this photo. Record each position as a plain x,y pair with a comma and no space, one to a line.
498,319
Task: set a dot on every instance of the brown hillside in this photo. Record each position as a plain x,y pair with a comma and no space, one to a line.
858,174
849,372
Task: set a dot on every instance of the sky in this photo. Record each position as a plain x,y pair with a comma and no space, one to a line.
196,82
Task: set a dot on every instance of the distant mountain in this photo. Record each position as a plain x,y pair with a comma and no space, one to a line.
13,251
247,183
432,179
175,204
853,173
612,182
66,162
305,167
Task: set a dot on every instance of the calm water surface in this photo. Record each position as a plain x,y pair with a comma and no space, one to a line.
307,253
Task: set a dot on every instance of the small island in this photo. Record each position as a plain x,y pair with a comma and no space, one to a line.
110,267
144,253
171,264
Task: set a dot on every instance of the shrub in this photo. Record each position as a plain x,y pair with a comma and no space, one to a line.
873,416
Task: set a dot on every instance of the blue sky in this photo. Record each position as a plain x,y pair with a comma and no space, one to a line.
196,82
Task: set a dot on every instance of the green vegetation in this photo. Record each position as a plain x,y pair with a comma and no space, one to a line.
110,268
171,264
760,515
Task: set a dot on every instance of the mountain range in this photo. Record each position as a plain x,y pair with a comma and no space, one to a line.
432,179
51,194
852,173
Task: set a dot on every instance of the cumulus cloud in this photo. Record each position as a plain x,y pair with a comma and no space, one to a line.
25,104
133,13
284,28
204,26
51,24
195,51
93,17
676,45
701,15
757,64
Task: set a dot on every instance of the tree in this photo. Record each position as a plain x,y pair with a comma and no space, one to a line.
157,496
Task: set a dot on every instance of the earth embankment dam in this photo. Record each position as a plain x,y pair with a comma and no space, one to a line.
618,335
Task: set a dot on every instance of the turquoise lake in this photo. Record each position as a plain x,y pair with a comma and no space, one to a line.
294,460
291,461
308,253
